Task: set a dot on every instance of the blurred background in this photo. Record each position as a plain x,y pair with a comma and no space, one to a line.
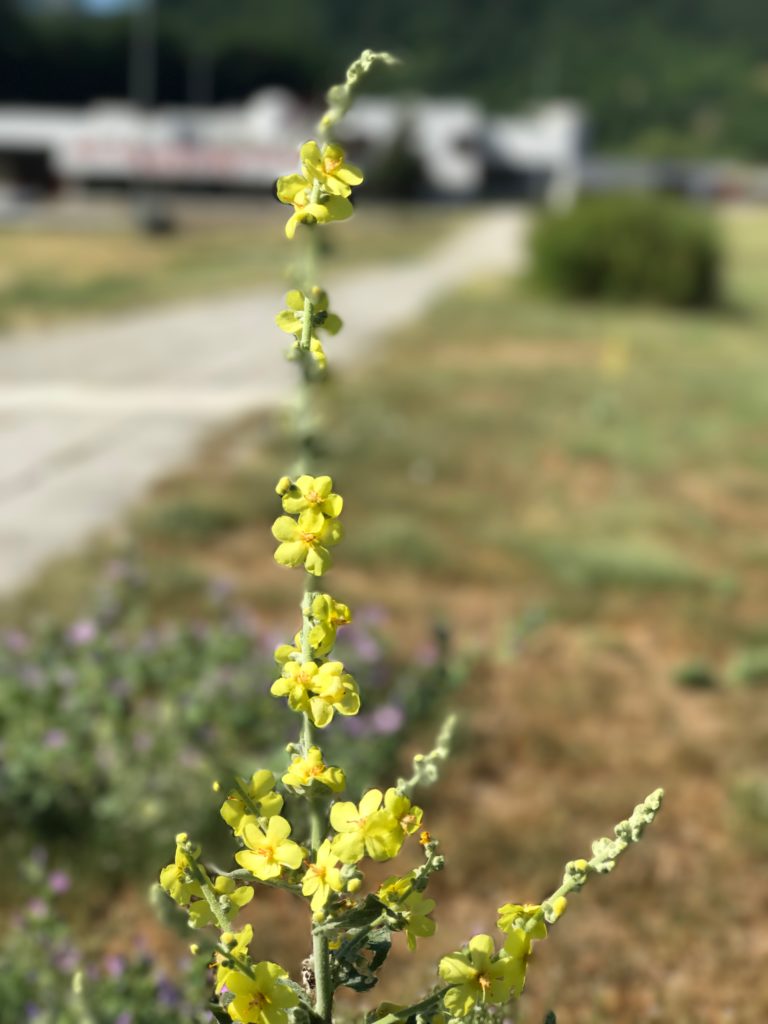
548,416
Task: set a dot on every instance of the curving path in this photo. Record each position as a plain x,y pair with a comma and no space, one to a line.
91,414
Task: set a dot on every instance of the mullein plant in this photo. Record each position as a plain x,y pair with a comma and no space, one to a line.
300,832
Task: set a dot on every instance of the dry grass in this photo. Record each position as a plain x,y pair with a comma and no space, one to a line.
54,271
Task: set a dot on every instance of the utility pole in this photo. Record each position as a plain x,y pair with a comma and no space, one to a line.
150,212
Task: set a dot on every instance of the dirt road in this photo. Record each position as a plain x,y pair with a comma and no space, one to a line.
91,414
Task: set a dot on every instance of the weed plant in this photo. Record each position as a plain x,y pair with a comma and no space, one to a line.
299,832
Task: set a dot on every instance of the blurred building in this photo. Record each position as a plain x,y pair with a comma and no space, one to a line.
446,147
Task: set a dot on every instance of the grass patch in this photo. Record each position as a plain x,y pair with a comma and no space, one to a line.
49,274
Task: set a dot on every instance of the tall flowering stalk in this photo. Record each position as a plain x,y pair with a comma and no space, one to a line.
315,846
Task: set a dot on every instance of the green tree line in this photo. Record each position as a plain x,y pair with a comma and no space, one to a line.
662,76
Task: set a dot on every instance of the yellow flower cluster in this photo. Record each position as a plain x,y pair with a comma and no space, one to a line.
304,541
325,615
259,994
255,798
320,193
376,827
399,895
303,771
477,975
183,881
292,321
318,690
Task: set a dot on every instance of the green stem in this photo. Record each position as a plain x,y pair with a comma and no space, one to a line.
320,953
201,876
242,793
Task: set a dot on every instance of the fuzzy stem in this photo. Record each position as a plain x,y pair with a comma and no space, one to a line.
320,954
200,875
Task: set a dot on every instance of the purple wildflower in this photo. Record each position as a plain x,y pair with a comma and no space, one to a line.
59,882
387,719
82,632
55,739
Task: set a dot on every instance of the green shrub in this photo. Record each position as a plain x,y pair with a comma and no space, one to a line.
748,668
629,248
47,978
696,675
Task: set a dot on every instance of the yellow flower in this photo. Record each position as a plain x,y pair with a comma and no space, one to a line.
177,881
237,943
476,975
524,923
395,889
318,691
398,894
417,924
261,794
271,851
306,541
296,191
367,829
289,652
316,351
334,690
295,683
263,997
328,167
200,913
517,915
313,492
407,815
291,319
322,877
303,771
327,615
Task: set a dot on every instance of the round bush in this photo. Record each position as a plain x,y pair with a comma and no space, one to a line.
629,248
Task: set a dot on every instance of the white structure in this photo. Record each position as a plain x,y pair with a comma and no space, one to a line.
454,141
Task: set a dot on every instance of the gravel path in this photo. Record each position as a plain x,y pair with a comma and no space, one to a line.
92,414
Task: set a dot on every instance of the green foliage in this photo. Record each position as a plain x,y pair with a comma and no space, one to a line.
629,248
748,668
111,726
749,799
45,978
696,675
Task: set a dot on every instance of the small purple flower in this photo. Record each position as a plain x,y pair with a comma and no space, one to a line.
67,961
167,993
82,632
59,882
387,719
124,1017
114,965
15,640
363,644
373,615
55,739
